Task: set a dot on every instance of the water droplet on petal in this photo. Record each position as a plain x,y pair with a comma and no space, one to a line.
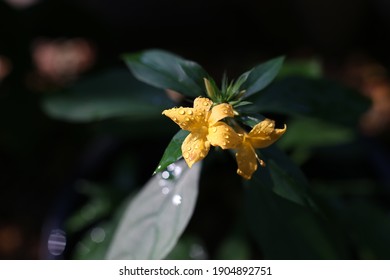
187,119
225,111
226,136
176,199
227,129
186,155
189,112
182,112
215,129
205,103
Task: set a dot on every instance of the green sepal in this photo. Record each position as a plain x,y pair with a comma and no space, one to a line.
173,151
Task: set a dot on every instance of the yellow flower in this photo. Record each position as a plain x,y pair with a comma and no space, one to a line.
261,136
203,121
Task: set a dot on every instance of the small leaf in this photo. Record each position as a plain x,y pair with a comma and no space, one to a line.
167,71
157,215
173,151
260,76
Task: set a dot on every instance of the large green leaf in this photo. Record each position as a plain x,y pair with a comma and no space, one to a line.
261,76
173,151
158,215
286,230
165,70
113,93
305,134
287,180
317,98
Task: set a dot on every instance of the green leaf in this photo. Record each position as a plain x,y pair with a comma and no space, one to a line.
110,94
158,215
285,230
165,70
173,151
260,76
318,98
188,248
367,224
287,180
305,134
310,68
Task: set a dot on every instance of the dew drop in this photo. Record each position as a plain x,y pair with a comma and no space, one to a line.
163,183
186,155
189,112
225,111
177,171
176,199
187,119
182,112
165,175
165,190
215,129
227,129
171,167
226,136
98,234
205,103
175,119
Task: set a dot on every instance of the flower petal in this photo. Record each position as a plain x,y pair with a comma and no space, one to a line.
264,134
222,135
219,112
202,105
185,118
246,160
195,148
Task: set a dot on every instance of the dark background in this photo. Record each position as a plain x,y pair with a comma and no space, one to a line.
39,156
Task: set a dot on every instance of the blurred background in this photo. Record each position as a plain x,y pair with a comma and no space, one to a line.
56,163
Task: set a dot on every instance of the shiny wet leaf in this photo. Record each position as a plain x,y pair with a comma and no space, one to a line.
157,216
